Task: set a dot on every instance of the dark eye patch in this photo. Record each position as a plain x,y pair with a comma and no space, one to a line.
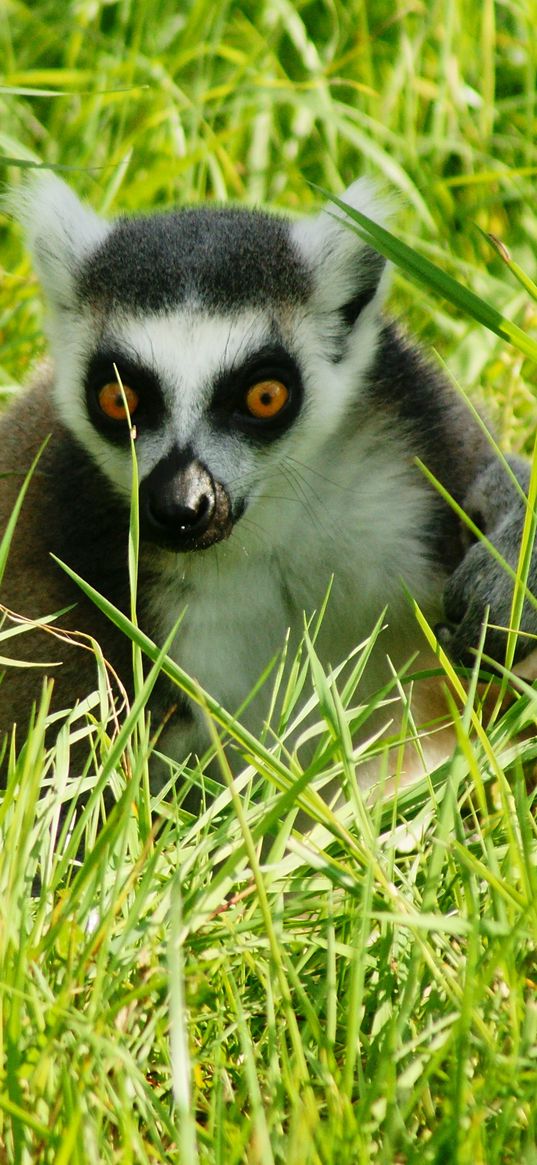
150,411
228,406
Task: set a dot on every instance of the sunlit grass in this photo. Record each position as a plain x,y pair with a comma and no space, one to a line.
273,978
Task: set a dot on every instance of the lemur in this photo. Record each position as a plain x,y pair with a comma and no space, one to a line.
278,419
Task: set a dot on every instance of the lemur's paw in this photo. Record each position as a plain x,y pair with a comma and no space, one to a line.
479,593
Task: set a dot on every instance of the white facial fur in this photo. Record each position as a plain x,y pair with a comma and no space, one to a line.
187,349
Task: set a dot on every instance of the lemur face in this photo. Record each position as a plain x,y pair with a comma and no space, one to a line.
210,398
226,340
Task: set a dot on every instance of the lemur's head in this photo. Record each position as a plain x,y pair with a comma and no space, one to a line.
240,339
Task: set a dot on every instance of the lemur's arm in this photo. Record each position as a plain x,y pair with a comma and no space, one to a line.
480,582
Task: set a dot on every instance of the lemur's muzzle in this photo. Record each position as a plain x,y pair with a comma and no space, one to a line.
182,507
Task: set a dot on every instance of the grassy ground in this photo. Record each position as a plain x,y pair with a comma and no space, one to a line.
367,992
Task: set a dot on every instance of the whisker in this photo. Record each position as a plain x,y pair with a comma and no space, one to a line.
315,512
323,477
334,526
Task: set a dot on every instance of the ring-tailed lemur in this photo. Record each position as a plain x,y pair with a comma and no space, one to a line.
278,419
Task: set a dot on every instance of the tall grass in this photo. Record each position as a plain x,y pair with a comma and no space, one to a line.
229,986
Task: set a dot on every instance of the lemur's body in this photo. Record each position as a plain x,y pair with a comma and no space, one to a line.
246,512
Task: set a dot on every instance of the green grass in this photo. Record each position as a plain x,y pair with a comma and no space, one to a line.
228,987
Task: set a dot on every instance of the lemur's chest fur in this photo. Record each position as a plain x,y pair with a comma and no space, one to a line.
352,527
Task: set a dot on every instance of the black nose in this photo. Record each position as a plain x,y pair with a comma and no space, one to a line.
180,511
177,501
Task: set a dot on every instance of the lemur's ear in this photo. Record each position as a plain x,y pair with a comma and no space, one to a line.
60,230
347,273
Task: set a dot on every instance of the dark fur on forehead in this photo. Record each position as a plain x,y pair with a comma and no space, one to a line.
223,257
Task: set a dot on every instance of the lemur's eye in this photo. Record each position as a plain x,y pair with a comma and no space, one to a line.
112,403
266,399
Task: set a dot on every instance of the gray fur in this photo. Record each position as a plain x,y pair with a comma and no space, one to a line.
221,258
480,588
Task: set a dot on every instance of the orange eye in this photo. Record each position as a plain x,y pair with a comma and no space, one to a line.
112,403
266,399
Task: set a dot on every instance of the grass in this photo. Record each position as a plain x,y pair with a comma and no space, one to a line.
228,987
